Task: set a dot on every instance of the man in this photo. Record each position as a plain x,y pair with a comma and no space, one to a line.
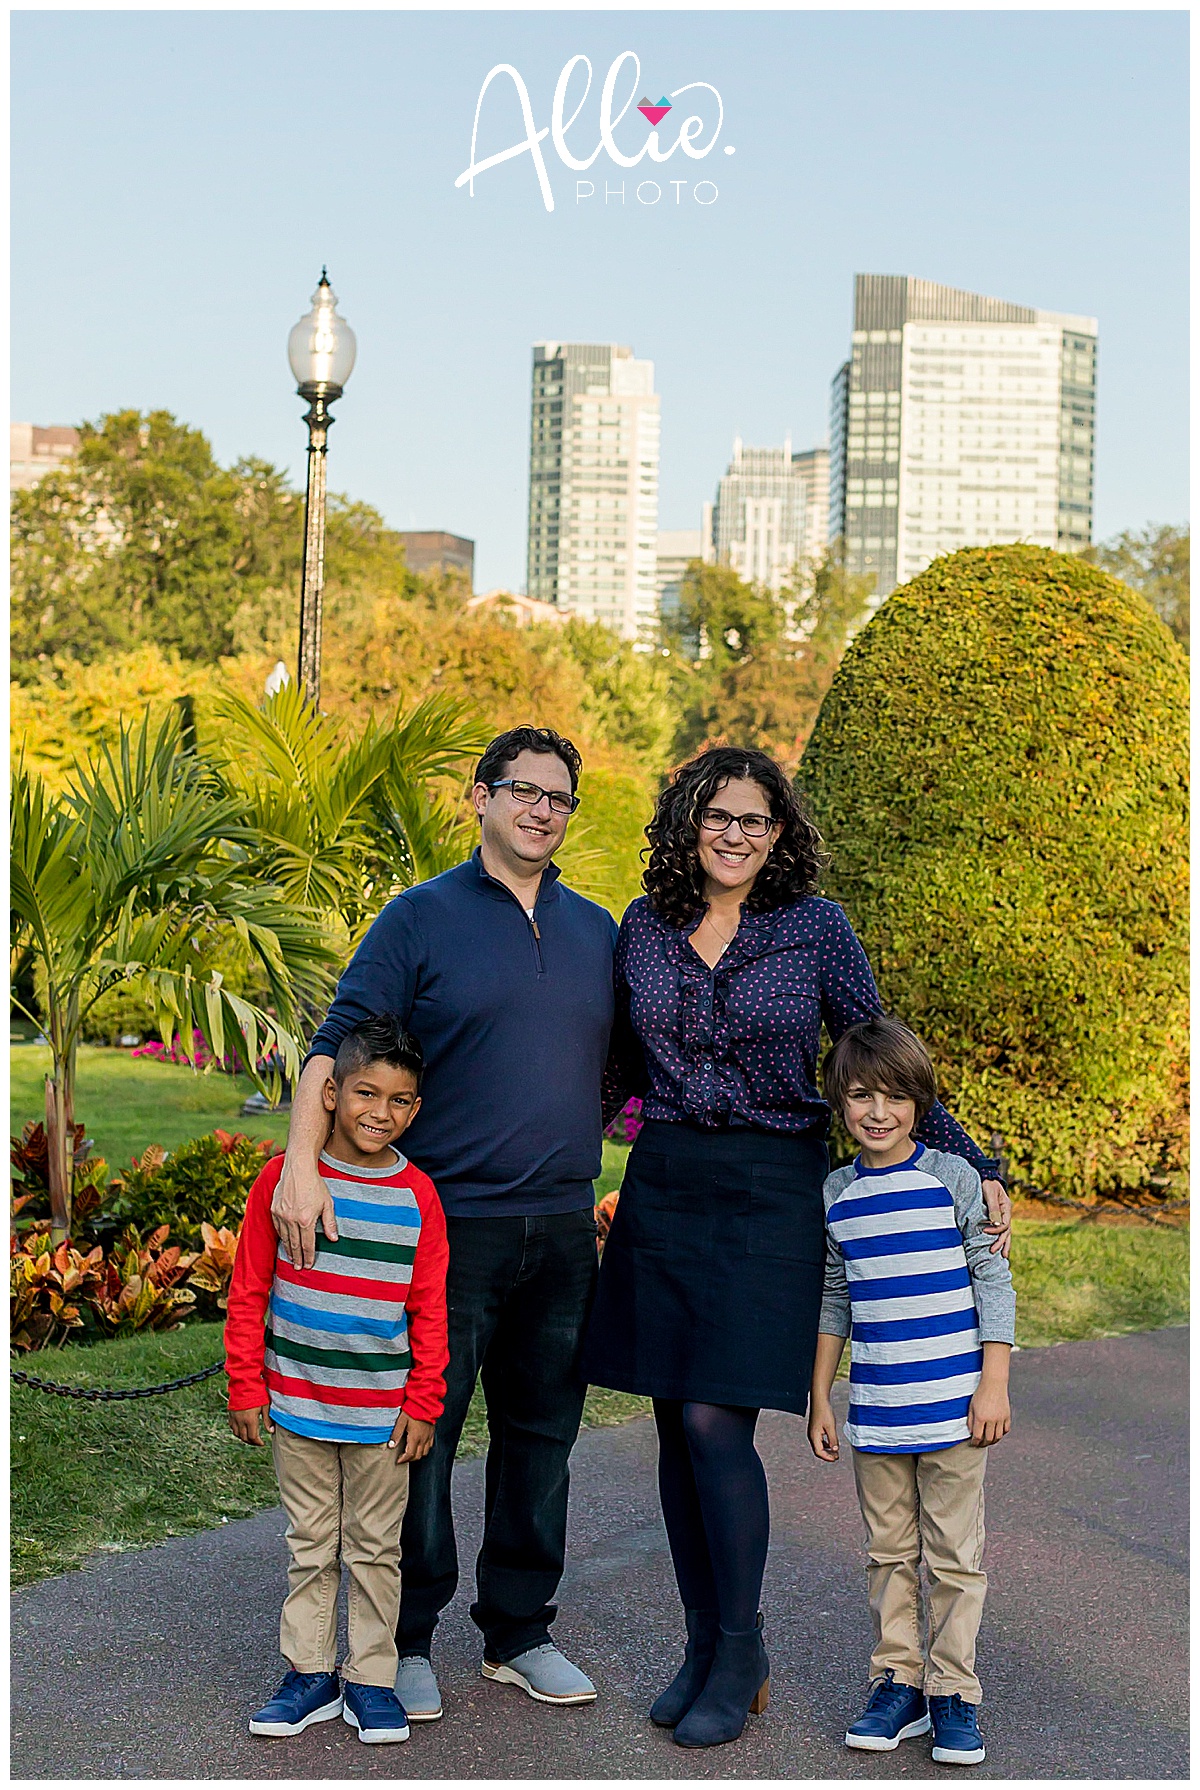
505,976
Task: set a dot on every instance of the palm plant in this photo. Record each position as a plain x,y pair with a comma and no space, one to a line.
340,826
135,874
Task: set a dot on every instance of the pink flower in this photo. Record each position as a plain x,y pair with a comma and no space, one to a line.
628,1122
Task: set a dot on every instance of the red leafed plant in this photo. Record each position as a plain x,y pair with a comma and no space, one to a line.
214,1271
604,1216
229,1141
47,1285
140,1288
30,1158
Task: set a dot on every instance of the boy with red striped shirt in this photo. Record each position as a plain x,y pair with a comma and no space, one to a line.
345,1360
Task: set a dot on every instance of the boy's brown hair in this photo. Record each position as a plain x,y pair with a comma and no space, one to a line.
880,1053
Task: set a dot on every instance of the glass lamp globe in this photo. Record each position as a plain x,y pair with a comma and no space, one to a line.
321,347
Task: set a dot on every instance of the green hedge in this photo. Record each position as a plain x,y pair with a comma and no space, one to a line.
999,771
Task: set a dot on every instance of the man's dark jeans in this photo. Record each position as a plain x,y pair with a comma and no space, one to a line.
518,1294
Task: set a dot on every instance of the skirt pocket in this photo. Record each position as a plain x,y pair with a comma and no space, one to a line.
787,1219
652,1203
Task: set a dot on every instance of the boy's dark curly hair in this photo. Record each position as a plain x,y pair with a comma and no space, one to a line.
673,878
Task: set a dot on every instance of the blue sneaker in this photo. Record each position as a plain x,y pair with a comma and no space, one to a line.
302,1699
895,1712
956,1736
376,1712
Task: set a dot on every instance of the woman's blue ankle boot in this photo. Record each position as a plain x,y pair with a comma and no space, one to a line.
737,1686
703,1628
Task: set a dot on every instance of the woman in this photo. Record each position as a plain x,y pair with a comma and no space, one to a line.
710,1286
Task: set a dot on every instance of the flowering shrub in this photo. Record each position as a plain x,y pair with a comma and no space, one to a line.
158,1052
628,1122
230,1064
204,1181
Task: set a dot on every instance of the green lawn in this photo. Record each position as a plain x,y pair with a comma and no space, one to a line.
1077,1279
611,1169
127,1104
102,1478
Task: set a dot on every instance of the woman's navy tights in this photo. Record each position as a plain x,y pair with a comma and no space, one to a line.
714,1499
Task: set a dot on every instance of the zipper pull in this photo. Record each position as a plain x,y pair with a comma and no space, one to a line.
537,935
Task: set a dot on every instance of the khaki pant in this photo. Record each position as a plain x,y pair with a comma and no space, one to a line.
925,1506
344,1503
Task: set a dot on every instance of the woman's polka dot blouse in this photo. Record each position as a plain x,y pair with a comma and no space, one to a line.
738,1045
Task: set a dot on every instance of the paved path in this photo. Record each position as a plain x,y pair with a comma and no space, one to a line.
147,1665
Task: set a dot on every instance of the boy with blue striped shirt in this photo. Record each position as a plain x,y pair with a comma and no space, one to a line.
929,1309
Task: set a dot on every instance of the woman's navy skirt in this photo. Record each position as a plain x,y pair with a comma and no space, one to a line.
710,1285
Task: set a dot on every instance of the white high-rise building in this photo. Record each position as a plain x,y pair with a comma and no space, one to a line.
759,523
593,484
677,548
812,468
958,421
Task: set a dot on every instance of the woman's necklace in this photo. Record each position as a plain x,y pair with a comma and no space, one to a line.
726,938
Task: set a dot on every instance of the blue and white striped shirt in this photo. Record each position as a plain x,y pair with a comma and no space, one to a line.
896,1247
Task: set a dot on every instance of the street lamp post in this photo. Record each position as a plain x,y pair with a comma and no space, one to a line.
321,351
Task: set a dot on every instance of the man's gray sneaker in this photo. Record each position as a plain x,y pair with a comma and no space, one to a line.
417,1689
545,1675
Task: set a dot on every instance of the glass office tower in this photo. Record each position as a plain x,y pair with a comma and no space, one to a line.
593,484
957,421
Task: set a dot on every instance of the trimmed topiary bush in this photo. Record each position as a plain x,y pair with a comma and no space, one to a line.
999,771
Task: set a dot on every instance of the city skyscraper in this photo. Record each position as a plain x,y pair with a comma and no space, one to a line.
593,484
812,469
677,547
957,421
759,518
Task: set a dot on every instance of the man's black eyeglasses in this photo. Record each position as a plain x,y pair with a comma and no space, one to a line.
532,793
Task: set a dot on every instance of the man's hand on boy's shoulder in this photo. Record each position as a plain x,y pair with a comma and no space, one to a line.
244,1425
412,1438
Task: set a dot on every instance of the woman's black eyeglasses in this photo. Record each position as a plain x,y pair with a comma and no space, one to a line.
532,793
754,826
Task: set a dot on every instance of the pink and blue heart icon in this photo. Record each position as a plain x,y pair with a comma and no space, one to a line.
654,114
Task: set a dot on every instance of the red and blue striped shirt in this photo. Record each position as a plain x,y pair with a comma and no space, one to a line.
339,1349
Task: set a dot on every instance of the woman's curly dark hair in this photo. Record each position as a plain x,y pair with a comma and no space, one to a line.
673,878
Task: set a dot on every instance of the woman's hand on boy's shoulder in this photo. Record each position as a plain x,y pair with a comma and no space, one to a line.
412,1437
999,1215
244,1425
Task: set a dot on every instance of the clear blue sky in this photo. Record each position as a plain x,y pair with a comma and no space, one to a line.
178,179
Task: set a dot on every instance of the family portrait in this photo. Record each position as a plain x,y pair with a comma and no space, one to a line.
598,965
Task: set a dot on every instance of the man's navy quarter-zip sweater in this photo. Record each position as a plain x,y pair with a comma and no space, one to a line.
514,1017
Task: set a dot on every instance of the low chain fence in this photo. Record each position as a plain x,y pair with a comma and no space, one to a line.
108,1394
